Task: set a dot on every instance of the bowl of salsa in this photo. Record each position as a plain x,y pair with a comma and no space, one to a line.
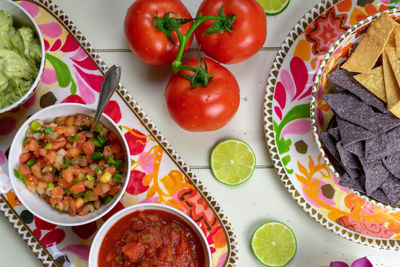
22,55
150,234
66,170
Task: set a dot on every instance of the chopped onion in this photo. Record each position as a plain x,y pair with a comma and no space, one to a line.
362,262
59,159
93,167
75,161
61,152
37,135
89,134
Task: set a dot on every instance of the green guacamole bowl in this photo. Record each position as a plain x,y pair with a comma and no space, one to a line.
21,18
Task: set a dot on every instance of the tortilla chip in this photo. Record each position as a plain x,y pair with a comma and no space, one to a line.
371,46
397,40
392,87
345,79
375,174
373,81
392,37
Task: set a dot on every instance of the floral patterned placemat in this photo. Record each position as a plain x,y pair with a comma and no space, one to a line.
73,73
288,132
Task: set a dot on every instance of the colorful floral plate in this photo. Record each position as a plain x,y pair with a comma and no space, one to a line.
73,73
296,157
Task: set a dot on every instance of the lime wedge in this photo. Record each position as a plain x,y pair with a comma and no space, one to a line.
232,161
273,7
274,244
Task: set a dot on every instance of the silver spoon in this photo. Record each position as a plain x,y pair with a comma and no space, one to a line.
108,86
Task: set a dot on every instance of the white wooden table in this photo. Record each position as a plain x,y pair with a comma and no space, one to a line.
260,199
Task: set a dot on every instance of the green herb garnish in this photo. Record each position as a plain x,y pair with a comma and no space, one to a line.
48,130
31,162
97,156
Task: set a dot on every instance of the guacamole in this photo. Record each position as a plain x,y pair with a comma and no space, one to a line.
20,56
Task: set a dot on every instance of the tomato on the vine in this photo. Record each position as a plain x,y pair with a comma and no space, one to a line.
249,30
145,40
203,108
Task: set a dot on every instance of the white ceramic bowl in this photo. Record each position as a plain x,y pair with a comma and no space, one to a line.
98,240
22,18
32,201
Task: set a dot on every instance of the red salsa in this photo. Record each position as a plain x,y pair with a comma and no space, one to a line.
151,238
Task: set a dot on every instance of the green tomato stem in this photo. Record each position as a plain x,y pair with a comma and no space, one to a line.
184,39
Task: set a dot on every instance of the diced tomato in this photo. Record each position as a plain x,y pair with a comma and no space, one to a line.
32,144
57,192
48,177
101,189
68,174
114,190
25,171
36,153
60,130
24,157
36,170
78,119
70,121
70,131
73,152
112,137
51,156
88,147
31,180
134,251
59,143
77,188
82,137
64,183
42,152
115,148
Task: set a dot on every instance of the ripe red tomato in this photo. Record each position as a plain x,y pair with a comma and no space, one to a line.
249,30
204,108
146,41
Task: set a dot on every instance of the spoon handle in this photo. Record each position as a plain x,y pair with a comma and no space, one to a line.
108,86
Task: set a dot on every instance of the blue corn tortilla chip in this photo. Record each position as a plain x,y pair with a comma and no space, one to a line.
386,122
392,164
344,79
330,144
334,132
375,174
380,196
391,188
352,183
353,173
352,133
357,148
347,159
383,145
349,108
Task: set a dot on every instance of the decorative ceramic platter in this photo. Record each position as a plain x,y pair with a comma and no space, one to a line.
73,73
296,157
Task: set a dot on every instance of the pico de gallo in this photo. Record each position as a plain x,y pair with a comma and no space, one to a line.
151,238
73,165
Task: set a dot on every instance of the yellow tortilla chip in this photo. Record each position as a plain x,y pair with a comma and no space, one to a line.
392,38
391,86
373,81
397,40
371,45
394,62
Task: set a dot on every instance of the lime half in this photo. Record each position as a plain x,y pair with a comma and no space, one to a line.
273,7
232,161
274,244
